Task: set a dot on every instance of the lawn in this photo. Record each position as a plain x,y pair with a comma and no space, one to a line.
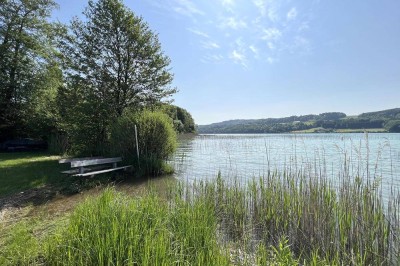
21,171
40,173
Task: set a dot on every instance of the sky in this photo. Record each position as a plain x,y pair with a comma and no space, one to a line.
249,59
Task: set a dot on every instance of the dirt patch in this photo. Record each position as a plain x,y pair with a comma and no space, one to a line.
33,196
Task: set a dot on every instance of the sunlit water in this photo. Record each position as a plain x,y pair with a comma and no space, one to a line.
374,157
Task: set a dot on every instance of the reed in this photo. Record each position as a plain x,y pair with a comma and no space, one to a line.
279,219
117,230
346,226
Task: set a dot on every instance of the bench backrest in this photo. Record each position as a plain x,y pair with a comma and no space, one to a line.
69,160
95,161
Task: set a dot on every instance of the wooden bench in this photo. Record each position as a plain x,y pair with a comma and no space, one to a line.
91,166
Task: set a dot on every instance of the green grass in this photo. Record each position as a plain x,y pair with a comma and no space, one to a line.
21,171
116,230
25,170
23,242
359,130
280,219
277,220
369,130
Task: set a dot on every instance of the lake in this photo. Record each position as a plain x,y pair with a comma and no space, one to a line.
370,156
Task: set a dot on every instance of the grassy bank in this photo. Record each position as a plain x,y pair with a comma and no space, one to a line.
324,130
280,219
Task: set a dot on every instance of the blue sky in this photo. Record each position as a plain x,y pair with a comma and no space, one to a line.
274,58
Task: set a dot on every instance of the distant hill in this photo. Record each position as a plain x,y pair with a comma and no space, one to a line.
381,121
385,114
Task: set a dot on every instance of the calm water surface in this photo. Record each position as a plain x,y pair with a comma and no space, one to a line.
370,157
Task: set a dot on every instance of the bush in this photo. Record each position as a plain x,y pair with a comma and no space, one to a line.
156,140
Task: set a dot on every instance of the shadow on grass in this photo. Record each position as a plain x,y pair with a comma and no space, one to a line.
35,178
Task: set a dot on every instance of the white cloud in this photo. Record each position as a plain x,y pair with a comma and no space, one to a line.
255,51
244,31
233,23
261,5
186,7
292,14
228,3
271,45
268,8
239,58
240,44
271,34
214,58
271,60
210,45
199,33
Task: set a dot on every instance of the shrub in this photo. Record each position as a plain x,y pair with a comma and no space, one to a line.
156,140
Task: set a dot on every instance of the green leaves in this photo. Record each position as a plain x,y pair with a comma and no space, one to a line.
115,62
119,57
24,54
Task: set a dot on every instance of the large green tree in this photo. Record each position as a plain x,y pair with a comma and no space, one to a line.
114,61
26,39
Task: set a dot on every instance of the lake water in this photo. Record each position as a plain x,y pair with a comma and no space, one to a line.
242,157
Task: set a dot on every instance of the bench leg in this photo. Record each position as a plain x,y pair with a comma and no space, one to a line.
114,165
81,170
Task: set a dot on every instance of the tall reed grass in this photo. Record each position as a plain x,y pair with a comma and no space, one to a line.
346,226
117,230
280,219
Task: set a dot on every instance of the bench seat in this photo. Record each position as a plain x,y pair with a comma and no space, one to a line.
104,171
91,166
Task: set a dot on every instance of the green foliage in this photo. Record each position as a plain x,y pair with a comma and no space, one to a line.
276,256
18,246
113,61
156,140
26,48
85,119
117,230
58,144
384,114
194,223
325,122
282,255
393,126
42,118
183,120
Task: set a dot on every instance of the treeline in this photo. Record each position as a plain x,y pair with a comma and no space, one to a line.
325,122
68,84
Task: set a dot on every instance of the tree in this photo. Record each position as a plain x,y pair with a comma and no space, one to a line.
182,119
393,126
116,62
25,40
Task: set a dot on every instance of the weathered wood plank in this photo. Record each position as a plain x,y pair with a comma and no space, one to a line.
94,162
70,172
104,171
69,160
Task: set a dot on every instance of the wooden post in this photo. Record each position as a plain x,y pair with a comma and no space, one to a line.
137,143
